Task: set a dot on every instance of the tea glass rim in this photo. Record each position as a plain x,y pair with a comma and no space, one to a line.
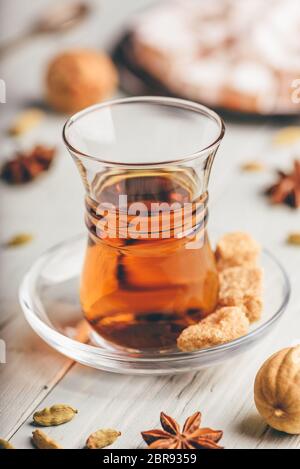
159,100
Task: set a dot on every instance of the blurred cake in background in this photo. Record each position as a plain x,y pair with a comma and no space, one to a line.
234,54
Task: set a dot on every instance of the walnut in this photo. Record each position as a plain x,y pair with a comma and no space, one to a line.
224,325
235,249
79,78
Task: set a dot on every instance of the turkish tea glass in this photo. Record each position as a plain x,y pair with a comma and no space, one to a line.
149,271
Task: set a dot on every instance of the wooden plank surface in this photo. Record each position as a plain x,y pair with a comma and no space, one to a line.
35,376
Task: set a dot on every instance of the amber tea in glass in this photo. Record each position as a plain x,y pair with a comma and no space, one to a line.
149,270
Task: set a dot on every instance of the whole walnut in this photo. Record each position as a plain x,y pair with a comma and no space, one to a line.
78,78
277,390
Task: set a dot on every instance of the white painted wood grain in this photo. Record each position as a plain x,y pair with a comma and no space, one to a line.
51,209
32,369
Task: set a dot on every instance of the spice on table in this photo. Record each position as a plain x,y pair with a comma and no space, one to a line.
253,166
26,121
287,189
26,166
287,136
4,444
78,78
191,436
19,240
276,390
54,415
294,238
102,438
43,441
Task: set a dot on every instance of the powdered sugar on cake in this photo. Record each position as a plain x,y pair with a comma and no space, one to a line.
230,53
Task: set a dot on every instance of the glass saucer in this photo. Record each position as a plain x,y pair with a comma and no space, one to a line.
49,298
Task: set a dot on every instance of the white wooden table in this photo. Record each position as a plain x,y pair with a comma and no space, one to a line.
36,376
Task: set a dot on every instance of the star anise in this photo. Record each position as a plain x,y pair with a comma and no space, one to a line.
25,166
287,189
191,437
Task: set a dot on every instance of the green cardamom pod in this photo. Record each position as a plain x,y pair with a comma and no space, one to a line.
55,415
102,438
